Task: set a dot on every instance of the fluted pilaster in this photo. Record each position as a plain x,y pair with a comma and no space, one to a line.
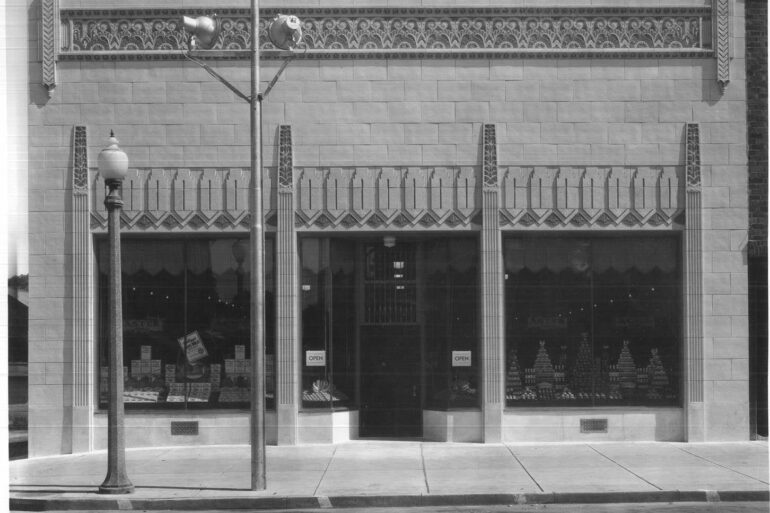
491,293
288,371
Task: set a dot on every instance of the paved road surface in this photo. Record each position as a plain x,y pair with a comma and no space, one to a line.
682,507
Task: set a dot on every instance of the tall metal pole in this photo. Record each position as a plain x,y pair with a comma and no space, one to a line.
258,481
117,480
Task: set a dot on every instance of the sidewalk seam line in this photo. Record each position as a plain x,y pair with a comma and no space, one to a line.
315,492
624,468
524,468
723,466
424,470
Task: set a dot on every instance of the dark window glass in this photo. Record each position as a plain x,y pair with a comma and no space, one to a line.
390,327
592,321
328,322
450,312
186,340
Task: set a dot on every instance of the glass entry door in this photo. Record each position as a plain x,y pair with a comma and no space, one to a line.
390,381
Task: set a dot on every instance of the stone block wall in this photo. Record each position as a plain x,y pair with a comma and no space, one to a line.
397,112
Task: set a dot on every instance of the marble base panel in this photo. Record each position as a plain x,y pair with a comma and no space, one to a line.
153,429
452,426
327,427
628,425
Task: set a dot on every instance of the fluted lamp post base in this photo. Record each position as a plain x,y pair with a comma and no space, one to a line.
116,485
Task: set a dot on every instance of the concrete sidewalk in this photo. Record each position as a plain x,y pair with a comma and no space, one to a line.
380,473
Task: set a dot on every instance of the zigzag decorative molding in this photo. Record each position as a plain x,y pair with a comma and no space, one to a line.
387,198
722,12
211,199
378,33
597,197
400,198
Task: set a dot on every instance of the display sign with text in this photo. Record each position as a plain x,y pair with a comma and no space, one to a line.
461,358
315,358
192,345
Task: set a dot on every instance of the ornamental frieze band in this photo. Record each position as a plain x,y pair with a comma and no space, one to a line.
362,33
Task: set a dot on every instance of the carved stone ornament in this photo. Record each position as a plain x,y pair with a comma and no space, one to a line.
454,220
401,220
80,161
375,221
553,220
579,220
195,198
49,42
349,221
428,220
722,14
489,164
323,221
410,32
692,155
285,158
223,221
196,221
145,222
605,220
573,196
171,222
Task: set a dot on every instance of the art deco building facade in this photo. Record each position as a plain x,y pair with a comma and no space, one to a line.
504,221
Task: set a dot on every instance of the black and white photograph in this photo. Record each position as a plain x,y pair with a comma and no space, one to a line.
384,255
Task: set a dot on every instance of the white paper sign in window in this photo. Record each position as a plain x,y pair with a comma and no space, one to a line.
461,358
315,358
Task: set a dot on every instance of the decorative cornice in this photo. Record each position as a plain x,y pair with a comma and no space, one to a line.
79,161
692,156
412,33
285,158
365,198
722,39
401,198
49,42
183,199
568,197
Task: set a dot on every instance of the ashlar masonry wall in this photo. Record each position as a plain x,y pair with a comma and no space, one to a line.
391,112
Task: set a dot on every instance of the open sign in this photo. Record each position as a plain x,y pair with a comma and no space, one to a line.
315,358
461,358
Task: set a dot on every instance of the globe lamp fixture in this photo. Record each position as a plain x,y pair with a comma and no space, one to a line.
112,161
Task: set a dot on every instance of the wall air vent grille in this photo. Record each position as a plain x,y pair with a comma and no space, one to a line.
184,428
593,425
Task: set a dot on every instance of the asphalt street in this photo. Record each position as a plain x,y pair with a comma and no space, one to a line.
681,507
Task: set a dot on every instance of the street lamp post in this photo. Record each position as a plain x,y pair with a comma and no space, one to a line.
284,32
258,477
113,165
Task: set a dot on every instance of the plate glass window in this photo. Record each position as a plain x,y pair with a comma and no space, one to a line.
593,321
186,342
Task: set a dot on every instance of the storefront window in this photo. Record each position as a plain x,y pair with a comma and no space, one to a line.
451,308
328,322
592,322
186,341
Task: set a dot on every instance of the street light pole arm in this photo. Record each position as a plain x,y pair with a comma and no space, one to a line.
218,77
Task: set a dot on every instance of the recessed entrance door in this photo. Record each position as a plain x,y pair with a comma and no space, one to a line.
390,381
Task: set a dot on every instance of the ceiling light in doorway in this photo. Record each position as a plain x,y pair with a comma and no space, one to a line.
389,241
